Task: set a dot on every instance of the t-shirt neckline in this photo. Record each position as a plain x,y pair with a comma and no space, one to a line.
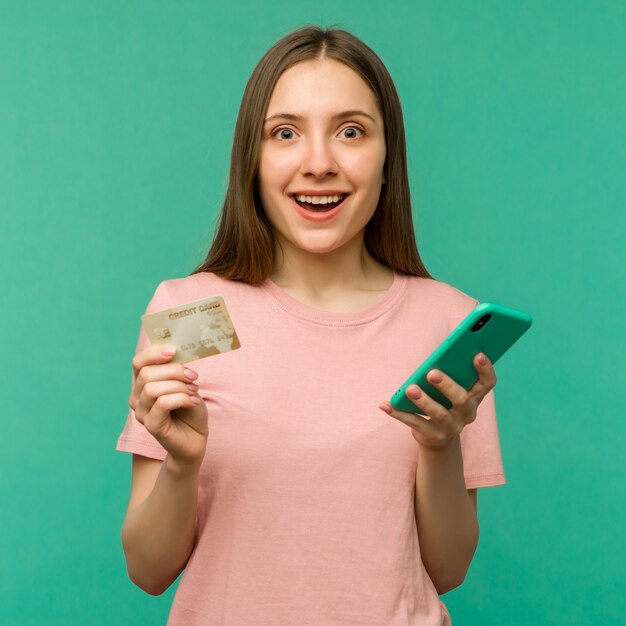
298,309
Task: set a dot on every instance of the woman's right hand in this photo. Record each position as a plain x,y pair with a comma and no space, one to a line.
166,402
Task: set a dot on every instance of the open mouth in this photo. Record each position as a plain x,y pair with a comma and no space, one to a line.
319,204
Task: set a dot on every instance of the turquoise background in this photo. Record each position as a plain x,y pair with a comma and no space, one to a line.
116,122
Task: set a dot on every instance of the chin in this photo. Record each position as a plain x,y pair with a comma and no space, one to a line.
319,248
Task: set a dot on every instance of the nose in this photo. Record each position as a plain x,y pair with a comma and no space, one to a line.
318,159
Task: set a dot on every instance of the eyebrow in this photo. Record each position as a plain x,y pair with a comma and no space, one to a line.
338,116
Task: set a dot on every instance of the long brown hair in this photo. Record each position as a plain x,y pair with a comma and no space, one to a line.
243,244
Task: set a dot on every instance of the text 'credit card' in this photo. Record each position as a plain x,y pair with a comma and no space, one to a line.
197,329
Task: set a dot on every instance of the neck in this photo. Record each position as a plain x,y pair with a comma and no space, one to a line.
321,275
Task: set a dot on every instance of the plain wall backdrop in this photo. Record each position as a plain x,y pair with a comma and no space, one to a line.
116,122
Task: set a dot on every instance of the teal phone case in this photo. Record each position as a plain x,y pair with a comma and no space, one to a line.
489,328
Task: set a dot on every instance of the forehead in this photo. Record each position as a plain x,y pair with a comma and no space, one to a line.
321,86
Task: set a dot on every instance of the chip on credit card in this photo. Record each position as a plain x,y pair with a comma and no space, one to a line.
198,329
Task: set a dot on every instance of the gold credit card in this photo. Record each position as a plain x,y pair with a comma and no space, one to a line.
197,329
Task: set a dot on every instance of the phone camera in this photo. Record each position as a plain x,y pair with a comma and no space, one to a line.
481,322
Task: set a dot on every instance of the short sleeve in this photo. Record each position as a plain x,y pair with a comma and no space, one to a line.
135,438
480,443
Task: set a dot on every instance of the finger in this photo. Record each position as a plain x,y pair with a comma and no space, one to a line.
486,378
152,355
448,387
414,420
158,419
149,373
425,404
153,390
165,371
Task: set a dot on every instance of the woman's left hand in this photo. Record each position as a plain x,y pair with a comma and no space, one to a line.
440,425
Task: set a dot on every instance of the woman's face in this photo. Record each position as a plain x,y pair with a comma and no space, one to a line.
322,156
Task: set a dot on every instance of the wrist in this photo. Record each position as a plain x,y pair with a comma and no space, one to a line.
181,469
444,453
444,463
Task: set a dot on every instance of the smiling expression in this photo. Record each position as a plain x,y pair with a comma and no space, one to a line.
322,157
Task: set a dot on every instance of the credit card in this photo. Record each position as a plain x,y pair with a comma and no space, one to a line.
198,329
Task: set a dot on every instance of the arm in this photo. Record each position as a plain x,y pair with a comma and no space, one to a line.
159,527
445,514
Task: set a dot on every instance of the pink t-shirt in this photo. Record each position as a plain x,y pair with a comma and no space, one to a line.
306,498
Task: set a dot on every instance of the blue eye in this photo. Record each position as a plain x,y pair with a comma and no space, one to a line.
284,133
352,132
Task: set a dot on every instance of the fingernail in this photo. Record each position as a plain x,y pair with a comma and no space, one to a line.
168,351
435,377
385,408
414,393
192,387
191,375
482,359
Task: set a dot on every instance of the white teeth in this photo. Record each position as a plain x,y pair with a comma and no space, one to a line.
319,199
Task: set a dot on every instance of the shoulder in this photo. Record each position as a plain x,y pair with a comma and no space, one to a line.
201,285
441,297
244,303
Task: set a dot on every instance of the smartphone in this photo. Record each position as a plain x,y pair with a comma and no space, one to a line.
490,328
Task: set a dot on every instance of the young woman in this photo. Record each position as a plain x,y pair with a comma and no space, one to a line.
276,475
